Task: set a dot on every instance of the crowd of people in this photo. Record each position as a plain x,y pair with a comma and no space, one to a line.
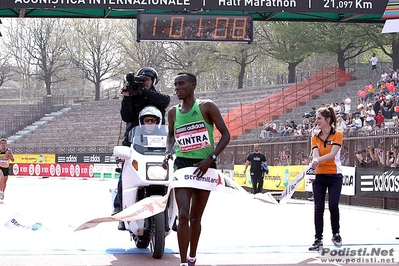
374,113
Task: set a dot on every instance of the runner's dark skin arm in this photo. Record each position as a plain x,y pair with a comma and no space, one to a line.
211,114
170,139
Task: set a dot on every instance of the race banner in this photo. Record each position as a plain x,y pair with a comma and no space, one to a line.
18,221
377,182
57,170
213,180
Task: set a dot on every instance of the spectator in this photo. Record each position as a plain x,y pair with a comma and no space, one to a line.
276,162
376,105
314,130
306,125
374,62
356,124
341,126
388,107
370,114
367,128
337,109
293,125
384,76
285,156
347,103
362,113
299,158
299,131
379,118
345,159
379,154
363,159
265,133
390,159
287,129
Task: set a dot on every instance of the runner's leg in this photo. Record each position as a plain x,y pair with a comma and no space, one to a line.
199,201
183,199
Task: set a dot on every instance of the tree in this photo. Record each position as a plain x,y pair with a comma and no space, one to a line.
4,69
18,38
347,41
290,42
95,49
387,42
48,49
241,54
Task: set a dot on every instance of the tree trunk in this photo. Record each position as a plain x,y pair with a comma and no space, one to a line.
395,52
291,72
341,59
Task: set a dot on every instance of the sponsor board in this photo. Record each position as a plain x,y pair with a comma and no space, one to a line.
57,170
277,179
377,182
34,158
85,158
348,181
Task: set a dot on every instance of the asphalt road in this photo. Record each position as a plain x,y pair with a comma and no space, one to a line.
237,230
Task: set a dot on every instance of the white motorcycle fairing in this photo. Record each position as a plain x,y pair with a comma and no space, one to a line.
143,176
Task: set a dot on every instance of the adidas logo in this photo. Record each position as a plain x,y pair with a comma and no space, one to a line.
194,113
311,171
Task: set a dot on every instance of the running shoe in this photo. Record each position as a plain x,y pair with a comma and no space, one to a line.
1,195
337,240
184,264
317,245
191,261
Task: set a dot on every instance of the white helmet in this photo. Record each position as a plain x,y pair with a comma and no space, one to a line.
152,111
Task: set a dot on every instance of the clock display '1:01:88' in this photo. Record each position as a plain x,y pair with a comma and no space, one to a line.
195,27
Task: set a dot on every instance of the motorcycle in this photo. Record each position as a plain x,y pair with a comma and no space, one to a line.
143,176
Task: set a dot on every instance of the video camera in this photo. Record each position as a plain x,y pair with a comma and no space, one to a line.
134,85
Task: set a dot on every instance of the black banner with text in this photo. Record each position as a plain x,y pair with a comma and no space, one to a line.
323,6
377,182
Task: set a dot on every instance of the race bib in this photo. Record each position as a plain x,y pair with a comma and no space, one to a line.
193,136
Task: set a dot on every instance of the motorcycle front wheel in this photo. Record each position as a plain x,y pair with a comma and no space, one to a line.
157,234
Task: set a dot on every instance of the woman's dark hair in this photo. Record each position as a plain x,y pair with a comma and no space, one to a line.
328,112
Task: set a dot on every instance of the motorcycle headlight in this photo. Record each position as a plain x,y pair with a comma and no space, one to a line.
156,172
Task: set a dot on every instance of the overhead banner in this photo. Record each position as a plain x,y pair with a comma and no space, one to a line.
326,6
377,182
57,170
34,158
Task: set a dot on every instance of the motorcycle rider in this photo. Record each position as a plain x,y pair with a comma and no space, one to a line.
149,117
132,104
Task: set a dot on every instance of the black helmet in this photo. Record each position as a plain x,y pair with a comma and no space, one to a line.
149,72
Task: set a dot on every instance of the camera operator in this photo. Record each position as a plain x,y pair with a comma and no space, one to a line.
138,92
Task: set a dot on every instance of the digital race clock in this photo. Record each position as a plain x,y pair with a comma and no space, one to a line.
194,27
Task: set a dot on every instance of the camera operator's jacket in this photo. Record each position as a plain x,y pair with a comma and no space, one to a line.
132,105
